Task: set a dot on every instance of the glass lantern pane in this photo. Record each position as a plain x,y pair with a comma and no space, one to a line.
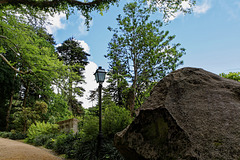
100,75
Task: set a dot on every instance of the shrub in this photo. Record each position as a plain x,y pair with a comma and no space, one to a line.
49,143
5,134
13,135
109,151
89,130
115,119
41,128
65,144
59,145
40,140
17,136
86,150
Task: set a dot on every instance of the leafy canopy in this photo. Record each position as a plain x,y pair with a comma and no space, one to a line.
140,53
168,8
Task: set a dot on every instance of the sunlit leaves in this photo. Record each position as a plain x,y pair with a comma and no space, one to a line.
141,50
231,75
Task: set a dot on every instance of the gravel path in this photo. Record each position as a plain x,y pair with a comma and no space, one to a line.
14,150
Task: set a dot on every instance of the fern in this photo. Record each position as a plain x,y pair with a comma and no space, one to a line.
41,128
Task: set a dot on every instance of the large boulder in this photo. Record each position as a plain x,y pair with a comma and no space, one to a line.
191,114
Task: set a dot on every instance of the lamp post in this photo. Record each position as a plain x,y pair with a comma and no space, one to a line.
100,77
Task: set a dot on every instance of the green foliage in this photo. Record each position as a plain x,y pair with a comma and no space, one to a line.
41,128
90,128
65,6
109,151
5,134
59,145
13,135
87,151
169,8
72,54
140,54
49,144
115,119
40,140
58,109
231,75
66,143
24,117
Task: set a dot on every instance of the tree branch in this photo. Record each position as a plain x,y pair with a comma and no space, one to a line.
54,3
8,63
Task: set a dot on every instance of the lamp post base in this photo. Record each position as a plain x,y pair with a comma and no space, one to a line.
99,144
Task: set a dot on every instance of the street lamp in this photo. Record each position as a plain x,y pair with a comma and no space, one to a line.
100,77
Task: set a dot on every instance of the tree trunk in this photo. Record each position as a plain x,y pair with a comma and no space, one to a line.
70,100
25,95
132,102
25,126
10,106
9,111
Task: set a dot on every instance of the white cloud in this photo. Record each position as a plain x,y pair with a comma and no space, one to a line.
198,9
55,22
84,45
90,84
82,28
203,8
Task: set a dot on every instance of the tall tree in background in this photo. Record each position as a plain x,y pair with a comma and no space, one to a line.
117,74
75,58
142,51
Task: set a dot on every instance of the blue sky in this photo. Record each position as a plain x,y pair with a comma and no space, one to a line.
210,35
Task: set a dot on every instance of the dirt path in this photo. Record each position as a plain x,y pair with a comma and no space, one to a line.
14,150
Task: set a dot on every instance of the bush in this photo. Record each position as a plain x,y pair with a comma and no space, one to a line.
17,136
89,130
109,151
65,144
86,150
49,143
41,129
13,135
40,140
5,134
59,145
115,119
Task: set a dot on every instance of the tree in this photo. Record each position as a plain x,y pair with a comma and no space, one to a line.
231,75
117,82
28,61
75,58
9,85
142,52
168,8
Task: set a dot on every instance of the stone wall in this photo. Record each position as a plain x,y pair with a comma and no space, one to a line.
68,125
